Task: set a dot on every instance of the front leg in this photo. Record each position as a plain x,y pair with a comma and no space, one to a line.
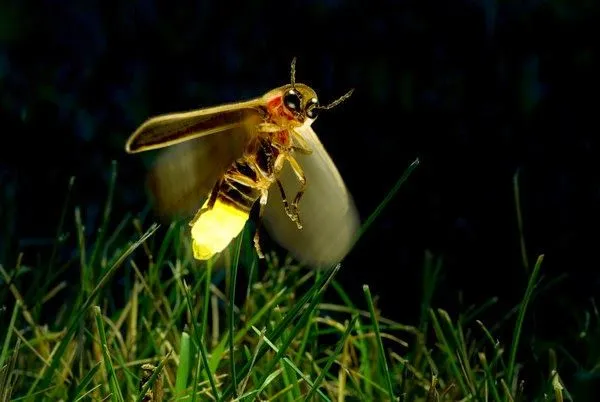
295,216
278,165
286,204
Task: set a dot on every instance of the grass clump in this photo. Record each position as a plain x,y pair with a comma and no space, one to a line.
131,318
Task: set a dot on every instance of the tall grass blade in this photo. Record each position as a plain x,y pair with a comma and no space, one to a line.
332,358
113,382
382,356
9,332
521,318
153,378
231,312
517,193
200,344
183,370
85,381
369,221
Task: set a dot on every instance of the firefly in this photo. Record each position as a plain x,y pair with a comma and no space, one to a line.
260,151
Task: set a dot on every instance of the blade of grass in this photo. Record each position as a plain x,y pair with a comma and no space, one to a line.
431,273
7,372
9,332
46,378
386,370
153,378
460,349
94,388
86,280
183,369
200,344
218,351
332,358
363,347
231,312
195,378
293,368
300,324
294,313
489,382
84,383
265,384
493,343
520,221
252,360
113,237
290,380
448,350
307,336
164,246
206,306
113,382
521,318
369,221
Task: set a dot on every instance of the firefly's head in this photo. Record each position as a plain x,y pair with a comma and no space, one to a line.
298,102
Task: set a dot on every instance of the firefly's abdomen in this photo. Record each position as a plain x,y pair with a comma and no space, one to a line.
216,227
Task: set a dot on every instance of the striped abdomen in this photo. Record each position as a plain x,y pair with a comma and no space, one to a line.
240,188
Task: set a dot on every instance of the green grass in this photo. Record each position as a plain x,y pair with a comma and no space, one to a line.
132,318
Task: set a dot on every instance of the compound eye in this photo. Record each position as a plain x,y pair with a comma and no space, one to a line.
312,108
292,100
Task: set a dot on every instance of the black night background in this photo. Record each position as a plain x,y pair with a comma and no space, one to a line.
484,93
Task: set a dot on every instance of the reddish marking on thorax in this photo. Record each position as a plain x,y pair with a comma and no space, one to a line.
277,111
274,103
276,108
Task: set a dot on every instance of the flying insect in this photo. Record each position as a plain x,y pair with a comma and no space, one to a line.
257,151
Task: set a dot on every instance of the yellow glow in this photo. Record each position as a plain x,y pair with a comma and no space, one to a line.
215,229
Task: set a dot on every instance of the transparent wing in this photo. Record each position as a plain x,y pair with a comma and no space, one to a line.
329,217
183,175
201,145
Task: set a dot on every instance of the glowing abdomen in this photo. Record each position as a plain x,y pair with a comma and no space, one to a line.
216,228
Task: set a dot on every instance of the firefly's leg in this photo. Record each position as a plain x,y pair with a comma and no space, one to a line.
302,179
278,165
210,204
268,128
286,204
263,201
293,215
239,178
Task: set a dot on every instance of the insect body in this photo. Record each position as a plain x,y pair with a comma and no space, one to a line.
249,152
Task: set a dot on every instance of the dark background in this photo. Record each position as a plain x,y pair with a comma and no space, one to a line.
477,90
